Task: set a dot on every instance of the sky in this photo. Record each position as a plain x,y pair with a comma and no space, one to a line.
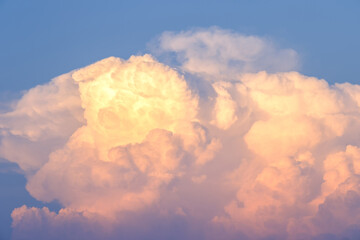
202,133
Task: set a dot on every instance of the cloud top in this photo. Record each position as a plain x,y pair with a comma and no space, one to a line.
216,51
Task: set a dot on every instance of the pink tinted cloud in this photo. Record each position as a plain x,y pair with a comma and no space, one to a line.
131,149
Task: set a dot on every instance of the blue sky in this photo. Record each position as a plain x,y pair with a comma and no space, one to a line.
42,39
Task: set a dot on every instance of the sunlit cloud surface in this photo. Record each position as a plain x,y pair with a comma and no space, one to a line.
229,142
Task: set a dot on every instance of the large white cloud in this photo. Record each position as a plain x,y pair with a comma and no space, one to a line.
132,149
41,121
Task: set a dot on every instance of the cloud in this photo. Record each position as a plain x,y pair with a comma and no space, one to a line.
40,122
216,51
141,132
134,149
303,122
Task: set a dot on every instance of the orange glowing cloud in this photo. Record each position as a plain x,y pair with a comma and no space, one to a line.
128,147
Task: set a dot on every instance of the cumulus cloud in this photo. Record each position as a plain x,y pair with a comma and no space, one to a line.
134,148
40,122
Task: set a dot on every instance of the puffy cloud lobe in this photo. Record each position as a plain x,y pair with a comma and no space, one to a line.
302,122
31,223
119,95
42,120
258,156
225,107
140,127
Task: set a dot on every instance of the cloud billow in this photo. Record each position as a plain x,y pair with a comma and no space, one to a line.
131,150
